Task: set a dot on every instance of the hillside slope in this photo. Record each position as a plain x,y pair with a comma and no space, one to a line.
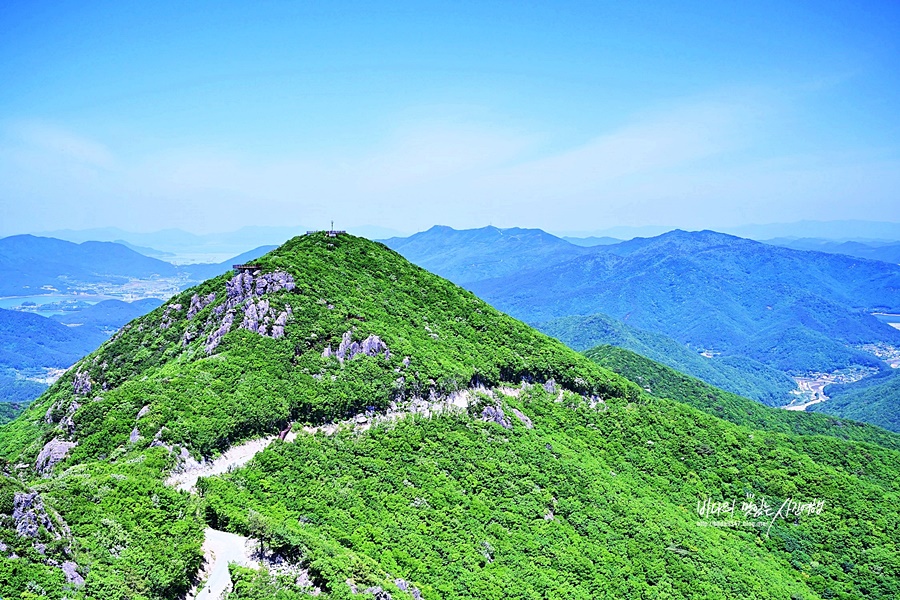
874,400
440,449
741,376
665,382
29,341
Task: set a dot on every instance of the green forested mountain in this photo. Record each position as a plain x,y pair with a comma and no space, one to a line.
873,400
664,382
29,341
762,311
743,376
481,459
9,410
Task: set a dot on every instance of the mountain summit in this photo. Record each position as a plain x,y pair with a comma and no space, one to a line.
406,440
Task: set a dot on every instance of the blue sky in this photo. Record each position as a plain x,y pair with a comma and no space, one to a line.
564,116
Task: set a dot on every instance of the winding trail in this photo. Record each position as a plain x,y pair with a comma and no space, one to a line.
221,548
235,457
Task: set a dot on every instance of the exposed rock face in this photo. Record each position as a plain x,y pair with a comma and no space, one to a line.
64,417
135,435
495,414
404,586
53,452
82,383
244,285
524,419
216,336
347,349
143,412
243,290
69,568
376,592
260,318
550,386
29,515
168,317
198,303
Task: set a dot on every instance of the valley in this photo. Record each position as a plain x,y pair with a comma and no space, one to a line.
79,293
889,353
811,386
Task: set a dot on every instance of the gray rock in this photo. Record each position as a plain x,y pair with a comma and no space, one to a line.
348,349
70,569
135,435
378,593
404,586
53,452
143,412
82,383
550,386
198,303
524,419
495,414
29,515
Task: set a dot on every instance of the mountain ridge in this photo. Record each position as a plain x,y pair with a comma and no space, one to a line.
518,466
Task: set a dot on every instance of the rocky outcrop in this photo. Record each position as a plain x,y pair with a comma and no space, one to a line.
32,521
29,515
244,291
53,452
376,592
63,415
245,285
81,384
494,413
198,303
404,586
347,349
70,570
524,419
169,316
215,338
260,318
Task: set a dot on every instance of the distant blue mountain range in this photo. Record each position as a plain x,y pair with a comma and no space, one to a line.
755,307
883,251
28,263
